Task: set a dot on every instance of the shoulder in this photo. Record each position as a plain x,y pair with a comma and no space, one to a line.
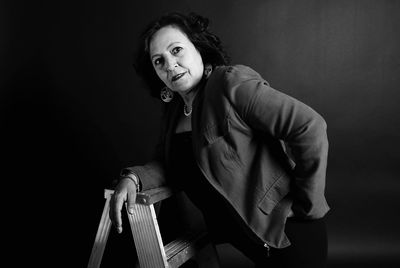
238,83
236,74
237,77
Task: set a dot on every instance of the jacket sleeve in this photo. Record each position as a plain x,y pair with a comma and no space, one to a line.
152,174
301,128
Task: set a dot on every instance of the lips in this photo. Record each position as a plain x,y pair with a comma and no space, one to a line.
178,76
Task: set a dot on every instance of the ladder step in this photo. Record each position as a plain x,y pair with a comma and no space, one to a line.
184,247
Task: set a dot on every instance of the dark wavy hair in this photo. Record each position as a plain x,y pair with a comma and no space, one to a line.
196,29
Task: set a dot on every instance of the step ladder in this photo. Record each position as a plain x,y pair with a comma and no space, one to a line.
148,240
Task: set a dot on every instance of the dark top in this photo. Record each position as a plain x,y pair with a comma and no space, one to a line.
218,214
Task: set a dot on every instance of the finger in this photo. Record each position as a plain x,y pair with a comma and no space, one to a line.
119,201
131,201
112,209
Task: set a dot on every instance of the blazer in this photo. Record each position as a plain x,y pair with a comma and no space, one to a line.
262,150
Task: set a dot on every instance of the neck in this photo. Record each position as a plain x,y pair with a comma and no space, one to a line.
189,96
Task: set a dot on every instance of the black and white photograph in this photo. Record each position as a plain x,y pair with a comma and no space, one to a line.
200,134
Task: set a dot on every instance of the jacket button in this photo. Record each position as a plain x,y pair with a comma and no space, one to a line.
265,245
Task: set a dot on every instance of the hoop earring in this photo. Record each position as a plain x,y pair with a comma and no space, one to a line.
207,70
166,94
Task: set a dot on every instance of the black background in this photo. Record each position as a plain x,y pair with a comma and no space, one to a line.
73,112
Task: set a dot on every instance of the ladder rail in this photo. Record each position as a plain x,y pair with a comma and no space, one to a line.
147,237
101,235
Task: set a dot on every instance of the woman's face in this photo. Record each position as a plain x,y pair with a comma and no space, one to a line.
175,59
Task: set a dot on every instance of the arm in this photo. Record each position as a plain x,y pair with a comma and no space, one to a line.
300,127
152,174
134,179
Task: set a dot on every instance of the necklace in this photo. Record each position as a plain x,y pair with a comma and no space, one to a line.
187,111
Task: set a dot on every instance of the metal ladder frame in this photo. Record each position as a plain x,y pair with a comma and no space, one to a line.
147,237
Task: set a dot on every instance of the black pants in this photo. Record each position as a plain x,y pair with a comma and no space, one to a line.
308,237
308,247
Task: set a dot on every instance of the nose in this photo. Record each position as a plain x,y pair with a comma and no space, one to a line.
171,64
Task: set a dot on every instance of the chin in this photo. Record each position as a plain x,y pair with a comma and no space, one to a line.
182,88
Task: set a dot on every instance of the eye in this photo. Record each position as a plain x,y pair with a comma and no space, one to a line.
176,50
157,61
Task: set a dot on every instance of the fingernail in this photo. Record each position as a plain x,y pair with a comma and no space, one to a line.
130,210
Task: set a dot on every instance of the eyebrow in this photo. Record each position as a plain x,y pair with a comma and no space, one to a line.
173,43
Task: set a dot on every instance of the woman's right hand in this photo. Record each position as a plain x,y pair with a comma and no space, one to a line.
125,191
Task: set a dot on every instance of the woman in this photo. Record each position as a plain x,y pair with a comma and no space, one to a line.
226,140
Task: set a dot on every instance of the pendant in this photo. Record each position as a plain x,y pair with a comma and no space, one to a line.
185,110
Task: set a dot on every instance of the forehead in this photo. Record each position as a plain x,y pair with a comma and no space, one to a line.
165,37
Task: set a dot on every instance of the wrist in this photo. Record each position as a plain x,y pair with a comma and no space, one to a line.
133,178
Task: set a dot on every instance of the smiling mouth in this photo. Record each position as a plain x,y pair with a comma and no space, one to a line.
178,76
